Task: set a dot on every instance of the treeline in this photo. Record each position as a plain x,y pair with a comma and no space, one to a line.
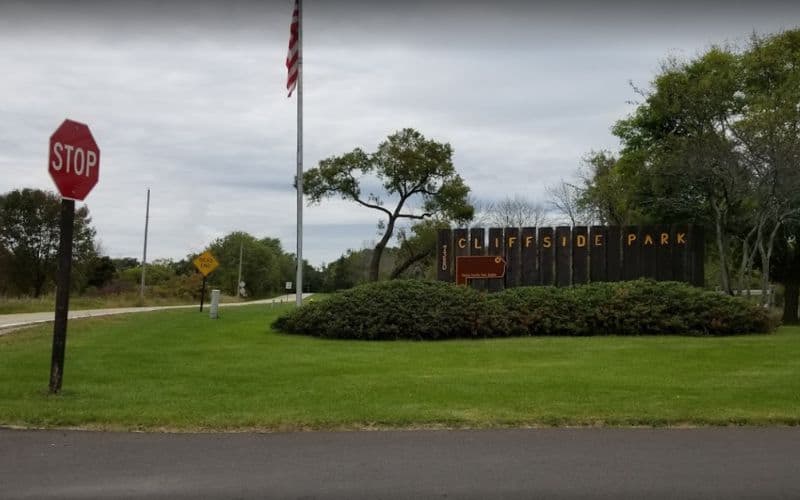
265,268
29,238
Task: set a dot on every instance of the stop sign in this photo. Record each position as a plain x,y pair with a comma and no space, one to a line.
74,161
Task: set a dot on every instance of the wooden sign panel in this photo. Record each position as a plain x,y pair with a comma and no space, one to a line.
530,261
597,253
496,248
613,253
663,254
477,247
580,255
460,244
679,252
513,262
697,255
648,241
563,260
630,253
444,255
567,256
546,250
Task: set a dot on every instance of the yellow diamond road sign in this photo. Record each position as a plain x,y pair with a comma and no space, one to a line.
205,263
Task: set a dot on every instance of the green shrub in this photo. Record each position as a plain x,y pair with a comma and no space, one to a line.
434,310
641,307
393,310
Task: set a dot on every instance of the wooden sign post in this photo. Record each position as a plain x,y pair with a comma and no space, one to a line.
74,165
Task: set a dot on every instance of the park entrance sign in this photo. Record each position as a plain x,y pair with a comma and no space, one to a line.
565,256
74,160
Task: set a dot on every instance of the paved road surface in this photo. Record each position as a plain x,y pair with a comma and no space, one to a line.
14,321
722,463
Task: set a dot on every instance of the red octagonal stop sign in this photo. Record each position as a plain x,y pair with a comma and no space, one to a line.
74,161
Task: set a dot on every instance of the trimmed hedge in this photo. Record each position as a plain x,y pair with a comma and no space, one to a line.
411,309
394,310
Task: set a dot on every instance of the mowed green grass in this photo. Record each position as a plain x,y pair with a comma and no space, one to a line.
179,370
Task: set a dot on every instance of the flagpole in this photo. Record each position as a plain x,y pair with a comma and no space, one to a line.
299,284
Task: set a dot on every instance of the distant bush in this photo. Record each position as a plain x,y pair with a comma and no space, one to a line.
408,309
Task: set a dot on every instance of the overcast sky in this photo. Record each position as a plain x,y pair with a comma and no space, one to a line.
188,98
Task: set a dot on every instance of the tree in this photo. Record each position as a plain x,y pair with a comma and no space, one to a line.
769,135
29,236
417,251
565,199
265,266
786,270
101,271
124,263
516,211
346,271
411,170
610,191
715,142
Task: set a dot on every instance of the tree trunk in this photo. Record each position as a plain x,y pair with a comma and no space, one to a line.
38,284
791,298
725,281
377,252
746,267
766,257
410,261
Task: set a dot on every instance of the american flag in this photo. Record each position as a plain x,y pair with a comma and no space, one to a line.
292,56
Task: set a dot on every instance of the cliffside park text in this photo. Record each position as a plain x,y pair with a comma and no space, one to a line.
565,256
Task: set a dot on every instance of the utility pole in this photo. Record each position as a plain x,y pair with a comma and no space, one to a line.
144,253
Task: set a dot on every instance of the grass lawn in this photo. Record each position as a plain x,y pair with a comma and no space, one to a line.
178,370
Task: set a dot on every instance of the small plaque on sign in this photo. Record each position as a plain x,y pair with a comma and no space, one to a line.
288,285
479,267
205,263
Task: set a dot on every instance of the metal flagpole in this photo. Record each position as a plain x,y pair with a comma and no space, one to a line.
239,281
144,252
299,284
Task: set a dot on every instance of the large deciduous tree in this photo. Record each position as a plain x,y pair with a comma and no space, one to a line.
415,177
716,141
29,237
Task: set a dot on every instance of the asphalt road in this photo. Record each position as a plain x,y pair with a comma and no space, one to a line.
535,463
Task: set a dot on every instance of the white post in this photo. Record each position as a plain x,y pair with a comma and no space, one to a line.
144,252
299,279
213,313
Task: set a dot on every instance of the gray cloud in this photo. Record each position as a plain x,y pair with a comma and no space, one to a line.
188,99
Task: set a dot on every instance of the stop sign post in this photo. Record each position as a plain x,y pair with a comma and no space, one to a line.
74,165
